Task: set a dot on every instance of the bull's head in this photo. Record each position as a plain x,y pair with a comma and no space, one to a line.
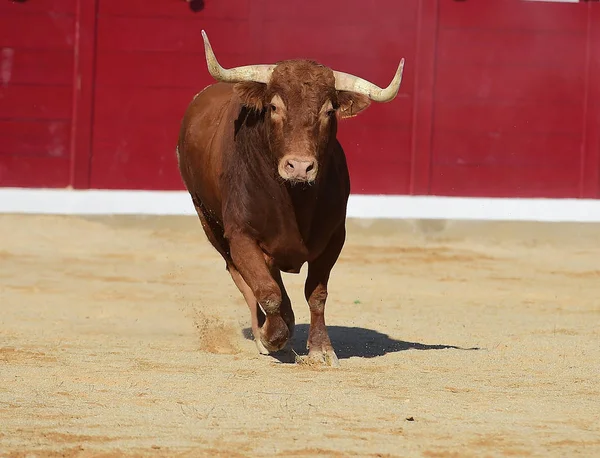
302,101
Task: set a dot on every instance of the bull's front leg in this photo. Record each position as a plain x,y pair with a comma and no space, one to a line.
315,290
249,261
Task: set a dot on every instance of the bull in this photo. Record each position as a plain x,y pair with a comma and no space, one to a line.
258,154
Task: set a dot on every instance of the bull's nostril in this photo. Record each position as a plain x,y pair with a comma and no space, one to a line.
299,168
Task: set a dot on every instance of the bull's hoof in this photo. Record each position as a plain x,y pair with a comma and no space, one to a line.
260,346
318,357
274,334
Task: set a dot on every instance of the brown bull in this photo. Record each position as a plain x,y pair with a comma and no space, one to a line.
259,156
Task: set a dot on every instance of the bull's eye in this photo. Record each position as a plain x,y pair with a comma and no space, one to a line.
273,108
331,113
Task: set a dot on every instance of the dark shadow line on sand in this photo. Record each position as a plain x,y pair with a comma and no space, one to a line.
351,342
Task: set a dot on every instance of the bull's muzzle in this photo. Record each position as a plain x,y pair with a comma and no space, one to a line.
298,169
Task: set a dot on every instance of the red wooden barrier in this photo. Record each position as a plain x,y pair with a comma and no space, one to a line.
509,97
498,99
36,71
590,151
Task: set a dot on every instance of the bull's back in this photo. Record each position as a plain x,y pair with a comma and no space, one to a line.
202,140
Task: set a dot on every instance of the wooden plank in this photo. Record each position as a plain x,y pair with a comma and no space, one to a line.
36,67
35,102
43,31
590,155
383,44
510,47
83,93
138,137
506,181
39,7
511,148
136,156
374,143
593,130
124,105
402,13
176,35
422,105
153,70
558,84
379,178
378,157
513,14
396,114
162,69
35,138
511,117
34,172
174,9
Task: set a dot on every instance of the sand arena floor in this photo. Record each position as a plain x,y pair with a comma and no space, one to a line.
124,336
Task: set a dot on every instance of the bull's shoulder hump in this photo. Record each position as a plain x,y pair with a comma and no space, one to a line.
216,91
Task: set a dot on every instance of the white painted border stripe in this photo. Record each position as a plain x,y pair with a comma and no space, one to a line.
470,208
102,202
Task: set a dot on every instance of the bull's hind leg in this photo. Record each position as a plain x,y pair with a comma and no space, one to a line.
287,313
315,290
213,232
256,316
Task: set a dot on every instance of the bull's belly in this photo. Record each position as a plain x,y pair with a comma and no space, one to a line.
289,261
290,269
289,256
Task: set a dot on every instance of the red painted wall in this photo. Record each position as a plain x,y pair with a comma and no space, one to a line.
509,100
36,92
498,98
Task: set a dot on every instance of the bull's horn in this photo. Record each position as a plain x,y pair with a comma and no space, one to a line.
347,82
257,73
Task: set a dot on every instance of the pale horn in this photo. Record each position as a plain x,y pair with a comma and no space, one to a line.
347,82
257,73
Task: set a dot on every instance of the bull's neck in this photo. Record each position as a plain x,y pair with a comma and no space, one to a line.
303,198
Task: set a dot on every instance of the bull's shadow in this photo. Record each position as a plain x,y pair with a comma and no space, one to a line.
351,342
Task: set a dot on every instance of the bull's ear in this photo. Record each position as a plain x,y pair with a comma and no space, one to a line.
351,103
252,94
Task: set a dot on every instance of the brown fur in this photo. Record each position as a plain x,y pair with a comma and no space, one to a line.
233,138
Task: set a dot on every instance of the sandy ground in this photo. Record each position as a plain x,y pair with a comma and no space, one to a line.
126,336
